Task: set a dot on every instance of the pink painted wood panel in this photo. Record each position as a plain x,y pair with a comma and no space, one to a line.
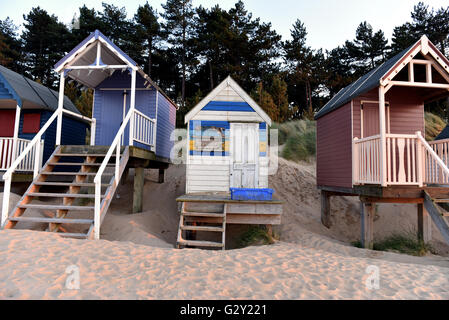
334,148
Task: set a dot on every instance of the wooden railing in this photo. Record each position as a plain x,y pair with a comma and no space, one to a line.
366,164
7,155
435,172
410,160
403,159
144,129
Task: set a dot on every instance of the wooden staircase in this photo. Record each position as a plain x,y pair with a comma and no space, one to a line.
440,215
192,222
68,177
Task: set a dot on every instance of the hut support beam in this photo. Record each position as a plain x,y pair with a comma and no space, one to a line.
16,134
382,151
367,211
139,181
60,106
325,209
161,176
424,224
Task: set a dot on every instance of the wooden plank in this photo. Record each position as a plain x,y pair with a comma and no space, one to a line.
55,207
197,243
202,228
52,220
436,216
253,219
69,184
63,195
254,208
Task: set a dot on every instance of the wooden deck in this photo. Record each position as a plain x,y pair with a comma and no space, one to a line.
238,212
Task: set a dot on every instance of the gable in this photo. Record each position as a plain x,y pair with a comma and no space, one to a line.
228,102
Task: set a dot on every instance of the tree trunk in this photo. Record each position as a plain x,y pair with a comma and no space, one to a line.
211,75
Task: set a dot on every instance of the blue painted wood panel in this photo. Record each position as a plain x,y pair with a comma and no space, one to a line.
166,122
228,106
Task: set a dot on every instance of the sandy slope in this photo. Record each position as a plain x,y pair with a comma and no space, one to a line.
138,261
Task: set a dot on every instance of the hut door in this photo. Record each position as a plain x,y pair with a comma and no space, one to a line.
370,123
244,155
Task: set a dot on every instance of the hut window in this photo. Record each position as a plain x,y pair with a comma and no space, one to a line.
7,119
31,123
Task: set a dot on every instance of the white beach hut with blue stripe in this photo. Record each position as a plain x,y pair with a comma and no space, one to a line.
227,142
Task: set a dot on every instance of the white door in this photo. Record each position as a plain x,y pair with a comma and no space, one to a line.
244,155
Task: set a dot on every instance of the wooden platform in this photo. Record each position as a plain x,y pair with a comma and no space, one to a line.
238,212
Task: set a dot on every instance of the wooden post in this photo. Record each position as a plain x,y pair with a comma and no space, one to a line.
16,134
424,224
325,209
269,230
367,224
60,108
132,105
124,176
161,175
139,180
382,153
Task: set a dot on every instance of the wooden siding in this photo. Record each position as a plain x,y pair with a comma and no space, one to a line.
406,111
334,148
208,174
166,123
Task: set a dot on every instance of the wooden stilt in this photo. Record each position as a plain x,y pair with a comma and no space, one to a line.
161,175
269,230
367,211
424,224
325,209
139,178
124,176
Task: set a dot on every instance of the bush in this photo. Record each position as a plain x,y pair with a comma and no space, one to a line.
407,243
434,125
256,235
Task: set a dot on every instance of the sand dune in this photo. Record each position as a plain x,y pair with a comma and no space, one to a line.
136,259
33,266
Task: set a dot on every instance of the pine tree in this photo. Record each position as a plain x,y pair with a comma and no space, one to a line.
10,46
178,24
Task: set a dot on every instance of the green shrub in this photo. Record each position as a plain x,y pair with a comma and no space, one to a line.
407,243
434,125
256,235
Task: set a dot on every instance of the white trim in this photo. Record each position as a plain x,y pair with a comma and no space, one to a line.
225,83
155,117
60,108
16,133
132,106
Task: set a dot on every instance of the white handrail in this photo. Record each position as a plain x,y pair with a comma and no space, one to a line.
433,153
34,143
115,145
144,129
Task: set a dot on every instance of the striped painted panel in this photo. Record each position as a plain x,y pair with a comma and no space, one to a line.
263,139
228,106
219,130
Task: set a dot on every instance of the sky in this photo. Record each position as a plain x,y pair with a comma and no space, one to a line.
329,22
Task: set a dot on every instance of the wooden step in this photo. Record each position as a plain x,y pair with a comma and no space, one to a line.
69,184
72,235
79,164
51,220
197,243
49,173
441,200
202,228
62,195
99,155
203,214
55,207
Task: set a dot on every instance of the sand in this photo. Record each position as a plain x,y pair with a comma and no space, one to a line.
136,260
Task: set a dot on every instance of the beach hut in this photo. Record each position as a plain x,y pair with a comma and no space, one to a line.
130,128
25,106
370,139
227,155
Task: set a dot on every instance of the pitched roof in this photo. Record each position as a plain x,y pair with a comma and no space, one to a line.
443,134
31,92
364,84
225,83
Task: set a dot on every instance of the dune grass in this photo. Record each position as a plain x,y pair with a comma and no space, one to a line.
298,138
406,243
255,236
434,125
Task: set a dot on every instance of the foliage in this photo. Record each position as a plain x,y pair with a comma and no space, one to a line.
256,235
406,243
298,138
187,49
434,125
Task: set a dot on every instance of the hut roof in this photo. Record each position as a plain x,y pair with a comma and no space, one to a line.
30,93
